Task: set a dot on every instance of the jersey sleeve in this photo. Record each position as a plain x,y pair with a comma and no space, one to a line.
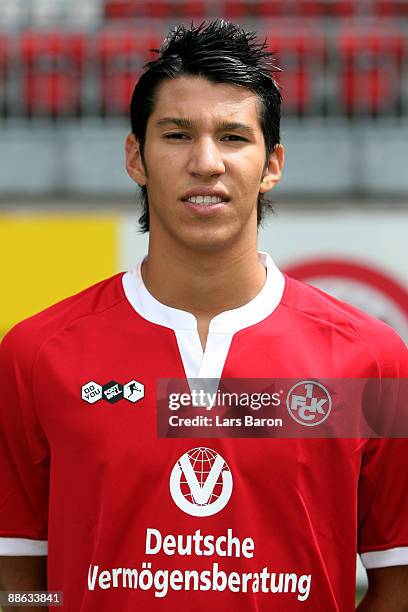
383,483
24,454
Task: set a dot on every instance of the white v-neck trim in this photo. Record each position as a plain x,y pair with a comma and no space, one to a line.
209,363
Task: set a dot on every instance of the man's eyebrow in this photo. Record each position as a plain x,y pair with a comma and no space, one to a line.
178,121
236,125
189,124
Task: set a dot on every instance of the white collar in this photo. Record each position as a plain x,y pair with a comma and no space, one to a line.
228,322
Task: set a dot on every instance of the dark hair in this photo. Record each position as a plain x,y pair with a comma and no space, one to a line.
220,52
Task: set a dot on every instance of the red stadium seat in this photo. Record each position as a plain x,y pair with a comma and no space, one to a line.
284,8
305,8
233,9
4,59
125,9
301,56
273,8
391,8
3,50
188,9
52,69
311,8
122,55
341,8
268,8
370,78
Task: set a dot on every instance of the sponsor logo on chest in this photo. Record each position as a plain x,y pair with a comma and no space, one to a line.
112,391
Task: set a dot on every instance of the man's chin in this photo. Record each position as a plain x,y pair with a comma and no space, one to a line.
210,241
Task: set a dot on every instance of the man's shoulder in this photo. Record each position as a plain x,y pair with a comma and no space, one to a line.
336,316
28,335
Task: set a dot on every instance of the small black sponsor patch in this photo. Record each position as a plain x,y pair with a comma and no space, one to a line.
112,392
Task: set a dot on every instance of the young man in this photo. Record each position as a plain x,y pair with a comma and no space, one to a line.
135,521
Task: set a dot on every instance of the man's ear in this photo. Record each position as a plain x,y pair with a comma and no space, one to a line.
273,169
134,163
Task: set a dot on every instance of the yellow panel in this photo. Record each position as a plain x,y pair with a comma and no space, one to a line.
46,258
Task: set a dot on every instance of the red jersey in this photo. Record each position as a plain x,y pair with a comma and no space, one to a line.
133,521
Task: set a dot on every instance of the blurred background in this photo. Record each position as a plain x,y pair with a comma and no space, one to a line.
68,211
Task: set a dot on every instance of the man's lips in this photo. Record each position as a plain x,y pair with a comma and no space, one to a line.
204,209
208,196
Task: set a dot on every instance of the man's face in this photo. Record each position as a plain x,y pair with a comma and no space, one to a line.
204,163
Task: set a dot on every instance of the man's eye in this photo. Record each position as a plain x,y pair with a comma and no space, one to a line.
175,136
234,138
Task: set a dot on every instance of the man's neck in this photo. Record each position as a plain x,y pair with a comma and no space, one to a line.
204,284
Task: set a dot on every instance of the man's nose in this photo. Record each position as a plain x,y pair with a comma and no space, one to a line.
206,159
